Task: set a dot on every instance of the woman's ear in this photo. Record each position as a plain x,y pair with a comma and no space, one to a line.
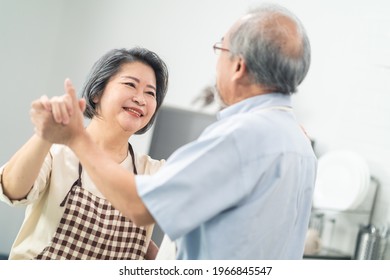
96,99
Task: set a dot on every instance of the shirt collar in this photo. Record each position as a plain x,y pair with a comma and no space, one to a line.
256,102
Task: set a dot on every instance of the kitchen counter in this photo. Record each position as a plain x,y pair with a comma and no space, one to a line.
329,254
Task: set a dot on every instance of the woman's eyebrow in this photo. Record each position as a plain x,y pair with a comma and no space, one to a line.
131,77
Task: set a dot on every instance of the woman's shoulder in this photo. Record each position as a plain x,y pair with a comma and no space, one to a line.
147,165
58,150
63,155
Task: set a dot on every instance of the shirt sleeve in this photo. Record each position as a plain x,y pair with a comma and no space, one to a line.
182,195
38,188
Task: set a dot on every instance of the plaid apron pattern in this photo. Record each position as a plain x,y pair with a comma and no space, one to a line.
91,228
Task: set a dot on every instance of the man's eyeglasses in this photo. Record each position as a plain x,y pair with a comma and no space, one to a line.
218,48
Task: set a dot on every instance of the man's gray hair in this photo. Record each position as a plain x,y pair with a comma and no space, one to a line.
275,47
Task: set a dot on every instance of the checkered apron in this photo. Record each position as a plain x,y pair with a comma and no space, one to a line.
91,228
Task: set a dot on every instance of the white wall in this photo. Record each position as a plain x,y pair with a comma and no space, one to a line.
343,103
28,31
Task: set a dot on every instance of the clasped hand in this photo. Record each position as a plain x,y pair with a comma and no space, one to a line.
59,119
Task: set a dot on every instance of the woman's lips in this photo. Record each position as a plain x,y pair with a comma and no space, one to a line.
139,113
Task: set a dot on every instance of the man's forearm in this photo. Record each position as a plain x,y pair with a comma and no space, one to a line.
115,182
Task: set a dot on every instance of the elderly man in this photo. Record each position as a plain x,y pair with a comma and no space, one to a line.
243,189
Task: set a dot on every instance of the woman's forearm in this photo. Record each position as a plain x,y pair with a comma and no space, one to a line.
23,168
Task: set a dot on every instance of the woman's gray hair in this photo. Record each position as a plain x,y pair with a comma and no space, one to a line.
109,65
276,57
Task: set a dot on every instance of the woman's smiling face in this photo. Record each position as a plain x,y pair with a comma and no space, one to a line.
129,98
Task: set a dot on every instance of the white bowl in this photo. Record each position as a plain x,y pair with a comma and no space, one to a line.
343,180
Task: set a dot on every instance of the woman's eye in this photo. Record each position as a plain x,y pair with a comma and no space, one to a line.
130,84
151,93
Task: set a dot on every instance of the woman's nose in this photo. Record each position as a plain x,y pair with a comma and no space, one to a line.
139,99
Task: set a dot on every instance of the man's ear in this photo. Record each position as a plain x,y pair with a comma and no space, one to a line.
240,69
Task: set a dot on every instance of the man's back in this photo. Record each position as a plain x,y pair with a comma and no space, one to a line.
256,203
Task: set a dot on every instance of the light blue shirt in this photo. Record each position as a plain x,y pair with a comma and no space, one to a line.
242,190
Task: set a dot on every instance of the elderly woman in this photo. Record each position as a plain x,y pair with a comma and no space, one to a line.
66,216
